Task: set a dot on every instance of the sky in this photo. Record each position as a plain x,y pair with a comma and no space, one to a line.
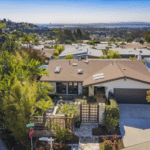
75,11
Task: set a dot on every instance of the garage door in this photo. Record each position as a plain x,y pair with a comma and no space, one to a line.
132,96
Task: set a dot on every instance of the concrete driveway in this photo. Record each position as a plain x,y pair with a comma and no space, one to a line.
134,123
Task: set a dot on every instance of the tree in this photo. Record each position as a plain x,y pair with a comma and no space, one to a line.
129,39
79,34
147,38
86,35
26,39
17,103
17,34
141,42
19,94
111,55
69,57
10,45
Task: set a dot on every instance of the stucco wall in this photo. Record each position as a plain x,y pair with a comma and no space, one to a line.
123,84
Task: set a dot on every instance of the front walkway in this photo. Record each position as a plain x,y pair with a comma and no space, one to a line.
86,140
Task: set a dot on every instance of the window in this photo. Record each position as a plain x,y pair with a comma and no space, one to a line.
72,88
61,87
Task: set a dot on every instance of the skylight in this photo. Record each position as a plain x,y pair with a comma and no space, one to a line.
98,76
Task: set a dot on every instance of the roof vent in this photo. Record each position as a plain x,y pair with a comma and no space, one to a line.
57,70
80,71
74,64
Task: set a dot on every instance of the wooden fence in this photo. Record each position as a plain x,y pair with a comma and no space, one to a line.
50,123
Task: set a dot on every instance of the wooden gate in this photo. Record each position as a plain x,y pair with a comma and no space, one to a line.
89,113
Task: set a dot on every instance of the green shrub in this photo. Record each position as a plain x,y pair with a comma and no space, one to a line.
123,43
68,42
38,113
94,47
107,145
68,109
69,57
56,53
143,61
60,49
62,135
55,57
80,41
96,41
90,43
85,91
84,97
111,119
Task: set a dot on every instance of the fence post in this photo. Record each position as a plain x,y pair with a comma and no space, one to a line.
89,113
65,123
50,124
98,113
81,112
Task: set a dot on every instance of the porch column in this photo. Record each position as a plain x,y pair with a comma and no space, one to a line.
91,90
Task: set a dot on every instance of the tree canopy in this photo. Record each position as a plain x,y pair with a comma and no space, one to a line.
20,93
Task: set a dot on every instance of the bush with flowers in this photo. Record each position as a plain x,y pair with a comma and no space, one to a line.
105,138
107,145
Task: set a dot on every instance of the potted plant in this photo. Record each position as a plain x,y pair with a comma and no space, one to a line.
77,122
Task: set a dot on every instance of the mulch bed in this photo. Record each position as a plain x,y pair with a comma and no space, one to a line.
101,130
119,144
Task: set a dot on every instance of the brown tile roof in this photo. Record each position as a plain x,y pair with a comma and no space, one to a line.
111,68
48,53
137,45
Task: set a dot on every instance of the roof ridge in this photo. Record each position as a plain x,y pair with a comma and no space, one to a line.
120,68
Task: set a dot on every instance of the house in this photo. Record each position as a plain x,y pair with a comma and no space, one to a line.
48,53
81,52
127,79
147,63
126,53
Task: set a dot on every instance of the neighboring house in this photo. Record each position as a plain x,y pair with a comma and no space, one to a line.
48,53
147,63
127,79
81,52
126,53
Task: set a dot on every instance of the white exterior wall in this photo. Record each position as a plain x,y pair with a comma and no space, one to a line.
109,86
53,84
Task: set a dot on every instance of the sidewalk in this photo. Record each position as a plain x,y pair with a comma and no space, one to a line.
142,146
